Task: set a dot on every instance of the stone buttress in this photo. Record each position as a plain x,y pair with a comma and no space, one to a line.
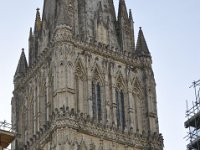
87,84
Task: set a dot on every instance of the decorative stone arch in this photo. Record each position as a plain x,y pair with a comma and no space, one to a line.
97,74
137,87
138,96
98,94
120,82
121,99
80,70
80,87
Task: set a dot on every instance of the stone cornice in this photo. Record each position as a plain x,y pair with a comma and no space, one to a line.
99,49
107,51
83,124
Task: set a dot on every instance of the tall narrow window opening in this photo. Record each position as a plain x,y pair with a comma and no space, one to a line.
99,101
96,101
120,109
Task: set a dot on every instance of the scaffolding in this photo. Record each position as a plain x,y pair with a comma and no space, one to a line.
193,120
7,134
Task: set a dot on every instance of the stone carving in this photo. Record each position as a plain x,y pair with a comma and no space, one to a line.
75,44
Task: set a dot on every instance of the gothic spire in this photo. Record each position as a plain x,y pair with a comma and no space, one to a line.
31,47
141,48
49,12
132,36
30,34
122,12
38,21
130,15
22,65
112,9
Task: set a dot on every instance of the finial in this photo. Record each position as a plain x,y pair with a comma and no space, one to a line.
140,28
130,14
22,49
37,21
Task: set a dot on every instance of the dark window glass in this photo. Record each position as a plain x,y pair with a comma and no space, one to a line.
99,101
96,101
118,108
122,110
93,100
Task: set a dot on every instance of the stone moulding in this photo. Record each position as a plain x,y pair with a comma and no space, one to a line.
64,118
100,49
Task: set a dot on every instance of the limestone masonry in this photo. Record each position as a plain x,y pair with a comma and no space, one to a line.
87,85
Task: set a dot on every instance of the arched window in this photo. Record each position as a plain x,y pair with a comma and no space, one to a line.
120,109
96,101
138,97
80,82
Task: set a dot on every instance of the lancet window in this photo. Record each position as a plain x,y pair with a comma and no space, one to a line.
120,111
120,102
97,95
96,100
80,80
138,96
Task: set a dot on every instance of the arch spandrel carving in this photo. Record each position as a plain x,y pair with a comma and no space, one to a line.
120,81
80,70
137,87
97,74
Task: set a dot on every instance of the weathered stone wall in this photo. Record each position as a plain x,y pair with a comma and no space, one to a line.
78,44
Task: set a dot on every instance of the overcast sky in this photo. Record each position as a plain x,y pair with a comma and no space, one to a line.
172,31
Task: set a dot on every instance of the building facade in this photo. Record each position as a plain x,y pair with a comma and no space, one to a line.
87,84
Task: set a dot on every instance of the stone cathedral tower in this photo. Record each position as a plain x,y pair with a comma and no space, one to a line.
87,84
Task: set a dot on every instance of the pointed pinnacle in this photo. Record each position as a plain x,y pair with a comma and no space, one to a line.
30,34
22,65
37,20
141,47
130,15
122,12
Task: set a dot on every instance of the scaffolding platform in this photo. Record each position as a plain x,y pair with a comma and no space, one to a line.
6,138
193,120
7,134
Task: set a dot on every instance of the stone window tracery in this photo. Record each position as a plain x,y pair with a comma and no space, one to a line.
120,108
97,95
80,82
138,98
120,102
